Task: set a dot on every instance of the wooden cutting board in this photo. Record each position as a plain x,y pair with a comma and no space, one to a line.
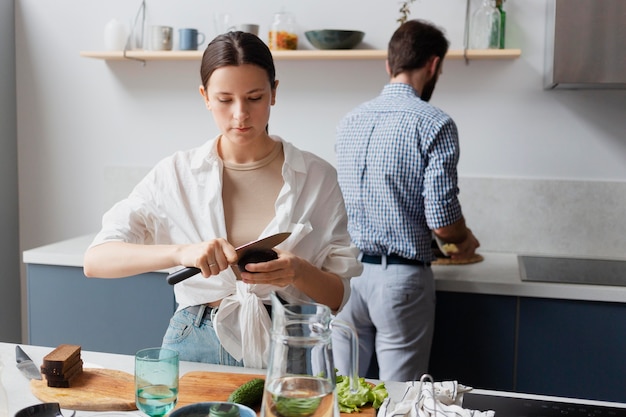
200,386
111,390
93,390
449,261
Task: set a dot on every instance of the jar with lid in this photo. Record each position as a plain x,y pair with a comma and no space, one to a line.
283,34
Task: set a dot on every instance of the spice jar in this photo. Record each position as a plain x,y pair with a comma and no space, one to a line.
282,34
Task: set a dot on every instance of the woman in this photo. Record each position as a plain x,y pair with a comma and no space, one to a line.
196,206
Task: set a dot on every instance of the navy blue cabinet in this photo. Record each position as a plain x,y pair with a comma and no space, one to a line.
474,341
572,349
565,348
109,315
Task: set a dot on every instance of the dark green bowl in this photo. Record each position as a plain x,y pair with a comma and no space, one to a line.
334,39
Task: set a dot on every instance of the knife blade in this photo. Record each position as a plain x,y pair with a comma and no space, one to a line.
25,364
265,243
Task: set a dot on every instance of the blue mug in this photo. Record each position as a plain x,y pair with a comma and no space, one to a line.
190,39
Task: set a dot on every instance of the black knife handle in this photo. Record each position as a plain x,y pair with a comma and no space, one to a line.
181,275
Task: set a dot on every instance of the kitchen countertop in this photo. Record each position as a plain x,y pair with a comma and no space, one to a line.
497,274
18,387
20,396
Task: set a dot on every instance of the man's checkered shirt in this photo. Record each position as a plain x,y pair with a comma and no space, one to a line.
396,161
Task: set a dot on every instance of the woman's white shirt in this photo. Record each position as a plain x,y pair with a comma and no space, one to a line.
180,201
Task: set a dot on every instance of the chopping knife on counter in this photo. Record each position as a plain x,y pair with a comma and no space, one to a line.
260,250
25,364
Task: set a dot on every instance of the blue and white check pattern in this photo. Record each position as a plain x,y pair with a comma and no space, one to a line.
396,161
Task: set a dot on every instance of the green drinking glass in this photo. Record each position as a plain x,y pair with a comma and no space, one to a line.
156,380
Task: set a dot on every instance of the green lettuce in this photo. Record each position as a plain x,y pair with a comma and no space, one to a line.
367,394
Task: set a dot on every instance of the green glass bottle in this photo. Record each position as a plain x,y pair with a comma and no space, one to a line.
502,21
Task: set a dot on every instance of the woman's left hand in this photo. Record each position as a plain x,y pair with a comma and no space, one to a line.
279,272
321,286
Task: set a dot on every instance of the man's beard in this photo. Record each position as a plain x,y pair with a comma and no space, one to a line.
429,87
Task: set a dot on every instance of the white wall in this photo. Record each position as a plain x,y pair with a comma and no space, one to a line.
85,125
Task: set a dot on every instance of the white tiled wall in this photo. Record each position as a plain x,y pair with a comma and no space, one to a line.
548,217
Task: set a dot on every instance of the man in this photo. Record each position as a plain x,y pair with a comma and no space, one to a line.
397,161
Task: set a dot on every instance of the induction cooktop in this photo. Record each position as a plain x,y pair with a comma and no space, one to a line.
522,407
572,270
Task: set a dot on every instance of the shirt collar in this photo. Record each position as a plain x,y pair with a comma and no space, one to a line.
399,88
293,156
207,154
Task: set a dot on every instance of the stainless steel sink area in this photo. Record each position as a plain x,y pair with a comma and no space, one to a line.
572,270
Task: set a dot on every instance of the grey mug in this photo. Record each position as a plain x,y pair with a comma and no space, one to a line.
161,38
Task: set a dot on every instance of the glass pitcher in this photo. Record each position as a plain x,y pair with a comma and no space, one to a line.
300,379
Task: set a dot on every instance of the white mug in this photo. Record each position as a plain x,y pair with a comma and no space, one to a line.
115,35
161,38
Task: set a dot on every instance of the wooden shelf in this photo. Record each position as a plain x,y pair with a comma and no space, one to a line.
298,55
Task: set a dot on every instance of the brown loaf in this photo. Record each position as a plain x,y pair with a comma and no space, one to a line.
62,365
60,357
67,375
61,370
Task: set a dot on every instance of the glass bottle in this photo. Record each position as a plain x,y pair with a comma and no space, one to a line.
485,27
499,6
283,34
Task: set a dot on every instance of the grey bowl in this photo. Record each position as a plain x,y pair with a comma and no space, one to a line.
204,410
334,38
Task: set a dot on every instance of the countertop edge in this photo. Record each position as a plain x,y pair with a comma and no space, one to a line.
68,252
497,274
20,395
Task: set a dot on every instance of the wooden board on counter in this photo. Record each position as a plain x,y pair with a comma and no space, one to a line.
111,390
93,390
200,386
449,261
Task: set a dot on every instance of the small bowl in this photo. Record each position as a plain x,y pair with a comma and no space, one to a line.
41,410
334,38
204,410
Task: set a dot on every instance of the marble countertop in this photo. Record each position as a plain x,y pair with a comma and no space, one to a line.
18,387
497,274
20,396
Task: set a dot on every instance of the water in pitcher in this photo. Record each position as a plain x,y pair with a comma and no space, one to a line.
299,396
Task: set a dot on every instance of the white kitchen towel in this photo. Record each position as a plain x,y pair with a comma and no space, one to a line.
420,401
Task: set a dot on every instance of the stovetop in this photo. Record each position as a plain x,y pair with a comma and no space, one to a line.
521,407
573,270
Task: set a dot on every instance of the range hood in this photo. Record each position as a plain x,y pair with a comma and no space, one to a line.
586,44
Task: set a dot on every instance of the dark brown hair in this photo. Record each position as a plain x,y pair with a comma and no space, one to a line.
413,44
236,48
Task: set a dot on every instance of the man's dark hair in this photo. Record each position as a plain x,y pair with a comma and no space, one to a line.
413,44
